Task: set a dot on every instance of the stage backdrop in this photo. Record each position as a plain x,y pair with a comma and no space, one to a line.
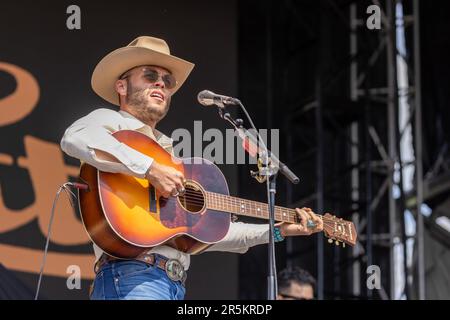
45,72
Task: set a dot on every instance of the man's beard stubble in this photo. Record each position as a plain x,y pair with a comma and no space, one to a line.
141,106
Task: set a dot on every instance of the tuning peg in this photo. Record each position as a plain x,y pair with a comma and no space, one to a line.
336,243
343,244
330,240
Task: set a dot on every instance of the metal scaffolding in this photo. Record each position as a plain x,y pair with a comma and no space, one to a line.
374,173
347,100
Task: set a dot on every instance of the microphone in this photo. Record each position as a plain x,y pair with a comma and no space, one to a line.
208,98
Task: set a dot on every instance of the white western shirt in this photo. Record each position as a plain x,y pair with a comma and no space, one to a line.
94,131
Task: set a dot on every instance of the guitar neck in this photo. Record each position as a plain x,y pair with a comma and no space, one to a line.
249,208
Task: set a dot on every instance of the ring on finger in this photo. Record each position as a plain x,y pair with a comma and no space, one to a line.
311,224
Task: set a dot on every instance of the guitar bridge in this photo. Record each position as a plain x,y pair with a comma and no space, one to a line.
152,207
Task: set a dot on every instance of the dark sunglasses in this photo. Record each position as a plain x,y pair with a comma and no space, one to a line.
153,76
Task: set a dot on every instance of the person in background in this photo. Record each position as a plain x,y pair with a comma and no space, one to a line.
295,283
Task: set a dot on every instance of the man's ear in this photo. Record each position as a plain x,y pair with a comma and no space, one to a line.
121,87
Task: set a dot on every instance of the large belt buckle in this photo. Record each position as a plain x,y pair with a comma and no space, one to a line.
174,270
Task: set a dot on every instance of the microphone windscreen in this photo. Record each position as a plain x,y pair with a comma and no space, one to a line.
206,97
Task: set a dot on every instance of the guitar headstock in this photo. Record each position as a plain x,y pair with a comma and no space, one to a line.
338,230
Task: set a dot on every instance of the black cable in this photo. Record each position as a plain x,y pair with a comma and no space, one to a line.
61,188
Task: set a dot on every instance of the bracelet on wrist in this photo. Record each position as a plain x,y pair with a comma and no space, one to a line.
277,236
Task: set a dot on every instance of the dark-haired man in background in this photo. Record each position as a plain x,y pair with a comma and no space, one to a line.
295,283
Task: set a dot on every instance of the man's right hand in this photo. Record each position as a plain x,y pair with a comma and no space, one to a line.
166,180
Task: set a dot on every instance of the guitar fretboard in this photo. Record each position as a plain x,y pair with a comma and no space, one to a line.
243,207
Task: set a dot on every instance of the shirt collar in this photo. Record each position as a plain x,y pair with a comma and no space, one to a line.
138,125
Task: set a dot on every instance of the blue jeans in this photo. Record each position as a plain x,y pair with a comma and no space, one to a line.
135,280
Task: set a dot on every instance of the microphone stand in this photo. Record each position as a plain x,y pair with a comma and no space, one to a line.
268,171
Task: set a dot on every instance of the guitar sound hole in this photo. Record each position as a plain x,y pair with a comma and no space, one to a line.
193,199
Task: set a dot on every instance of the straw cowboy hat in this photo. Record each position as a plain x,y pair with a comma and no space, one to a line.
141,51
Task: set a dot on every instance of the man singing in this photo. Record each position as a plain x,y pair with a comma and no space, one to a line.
141,79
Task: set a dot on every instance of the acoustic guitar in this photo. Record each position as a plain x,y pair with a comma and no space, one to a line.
125,215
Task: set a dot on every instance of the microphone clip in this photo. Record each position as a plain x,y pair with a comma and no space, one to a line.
258,174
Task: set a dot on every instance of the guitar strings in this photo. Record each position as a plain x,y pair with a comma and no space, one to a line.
223,198
197,198
291,217
194,197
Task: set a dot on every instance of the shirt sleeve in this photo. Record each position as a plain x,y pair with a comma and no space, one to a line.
94,131
241,236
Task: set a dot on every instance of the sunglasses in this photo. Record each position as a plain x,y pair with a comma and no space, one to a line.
153,76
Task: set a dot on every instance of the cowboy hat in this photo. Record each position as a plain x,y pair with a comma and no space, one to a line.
143,50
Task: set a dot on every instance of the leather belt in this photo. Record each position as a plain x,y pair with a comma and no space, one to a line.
173,268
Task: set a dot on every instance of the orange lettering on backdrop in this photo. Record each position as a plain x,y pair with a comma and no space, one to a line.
47,176
47,170
45,163
21,102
